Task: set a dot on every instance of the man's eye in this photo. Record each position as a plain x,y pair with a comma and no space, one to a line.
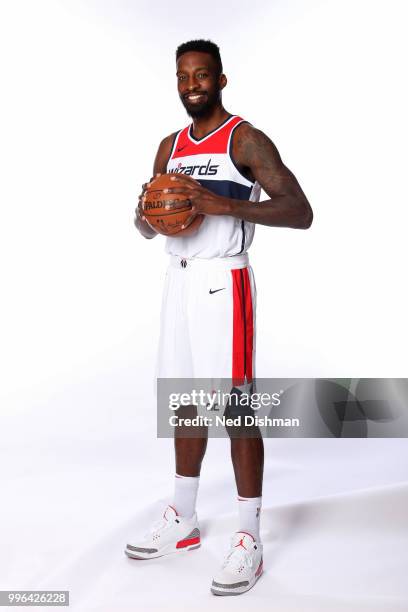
202,75
181,77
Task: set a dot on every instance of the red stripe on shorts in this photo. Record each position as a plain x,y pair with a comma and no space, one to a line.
243,327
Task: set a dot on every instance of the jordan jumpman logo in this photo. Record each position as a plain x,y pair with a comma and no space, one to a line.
240,543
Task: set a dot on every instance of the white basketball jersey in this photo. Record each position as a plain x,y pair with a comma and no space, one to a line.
209,161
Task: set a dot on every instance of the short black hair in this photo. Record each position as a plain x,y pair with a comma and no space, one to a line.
202,46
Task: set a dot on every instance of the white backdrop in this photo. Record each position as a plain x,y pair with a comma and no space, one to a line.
88,92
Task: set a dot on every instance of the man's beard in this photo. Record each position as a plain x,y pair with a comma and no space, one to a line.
198,111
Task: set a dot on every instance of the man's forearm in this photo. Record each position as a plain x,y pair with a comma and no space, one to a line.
281,211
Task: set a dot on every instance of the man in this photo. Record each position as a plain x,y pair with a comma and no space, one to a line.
220,162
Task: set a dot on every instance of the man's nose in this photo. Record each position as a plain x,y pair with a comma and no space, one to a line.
192,82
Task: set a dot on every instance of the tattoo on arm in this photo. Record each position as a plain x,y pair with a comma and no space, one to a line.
253,150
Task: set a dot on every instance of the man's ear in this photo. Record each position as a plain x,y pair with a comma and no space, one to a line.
223,81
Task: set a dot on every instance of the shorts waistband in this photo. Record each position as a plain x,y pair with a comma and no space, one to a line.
229,263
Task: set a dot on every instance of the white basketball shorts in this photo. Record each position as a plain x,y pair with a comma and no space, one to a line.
208,320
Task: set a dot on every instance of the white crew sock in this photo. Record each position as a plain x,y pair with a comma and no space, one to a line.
185,495
249,515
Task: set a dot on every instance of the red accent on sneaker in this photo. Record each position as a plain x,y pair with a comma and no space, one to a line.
189,542
240,543
250,534
173,508
260,568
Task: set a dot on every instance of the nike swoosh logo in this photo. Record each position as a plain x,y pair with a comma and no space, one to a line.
215,290
181,148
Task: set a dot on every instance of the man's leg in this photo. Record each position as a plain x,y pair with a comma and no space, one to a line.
190,444
247,455
179,529
189,455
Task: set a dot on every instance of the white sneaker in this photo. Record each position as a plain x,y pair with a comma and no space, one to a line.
242,566
173,533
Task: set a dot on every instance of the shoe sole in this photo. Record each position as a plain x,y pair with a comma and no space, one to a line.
239,591
143,557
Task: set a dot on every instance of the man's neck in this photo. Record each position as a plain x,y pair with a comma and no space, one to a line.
204,125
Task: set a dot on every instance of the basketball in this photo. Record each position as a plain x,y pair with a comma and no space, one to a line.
168,222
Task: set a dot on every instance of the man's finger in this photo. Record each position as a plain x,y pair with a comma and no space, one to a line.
175,204
153,177
178,190
183,185
183,177
188,221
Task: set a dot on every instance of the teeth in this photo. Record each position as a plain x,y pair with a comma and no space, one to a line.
194,97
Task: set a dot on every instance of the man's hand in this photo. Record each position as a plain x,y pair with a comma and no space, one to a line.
140,220
202,200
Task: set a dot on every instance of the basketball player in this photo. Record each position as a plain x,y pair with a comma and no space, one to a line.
220,162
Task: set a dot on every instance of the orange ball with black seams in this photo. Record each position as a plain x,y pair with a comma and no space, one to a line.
168,222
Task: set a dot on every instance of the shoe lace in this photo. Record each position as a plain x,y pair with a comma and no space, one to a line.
237,560
158,527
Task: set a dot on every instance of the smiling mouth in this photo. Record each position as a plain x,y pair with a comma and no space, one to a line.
194,97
